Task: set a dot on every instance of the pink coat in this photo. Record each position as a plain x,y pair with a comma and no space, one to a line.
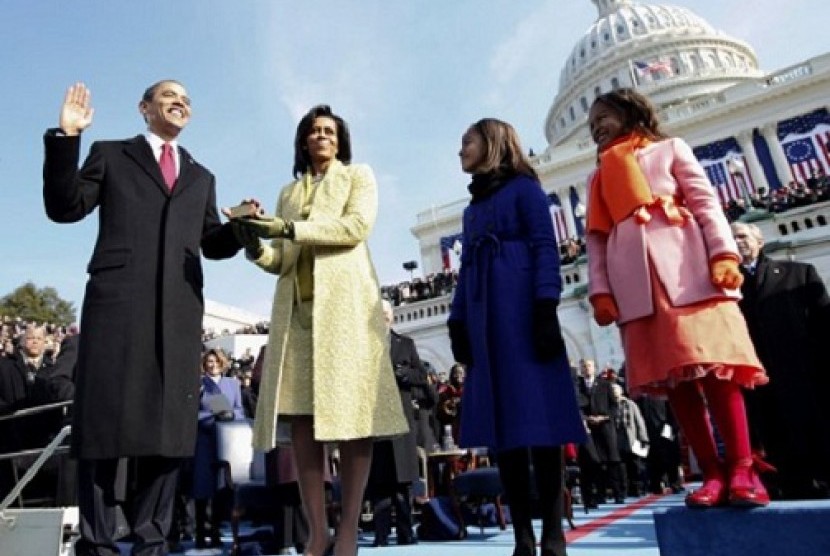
680,254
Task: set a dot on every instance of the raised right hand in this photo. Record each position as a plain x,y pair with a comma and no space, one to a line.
76,112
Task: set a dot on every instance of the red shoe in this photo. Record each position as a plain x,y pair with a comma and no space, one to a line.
745,487
712,493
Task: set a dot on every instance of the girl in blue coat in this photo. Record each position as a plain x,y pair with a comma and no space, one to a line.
519,399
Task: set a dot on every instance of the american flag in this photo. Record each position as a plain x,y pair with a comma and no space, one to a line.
806,142
649,68
810,153
727,186
713,157
447,243
560,225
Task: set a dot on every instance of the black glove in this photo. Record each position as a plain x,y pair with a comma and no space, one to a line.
547,336
460,342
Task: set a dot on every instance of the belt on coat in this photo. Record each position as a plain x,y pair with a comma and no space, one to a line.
671,206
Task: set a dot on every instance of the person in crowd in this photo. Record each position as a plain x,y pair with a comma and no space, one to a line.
663,266
600,463
28,379
518,398
632,439
395,461
249,393
426,423
663,459
450,401
156,211
327,297
220,399
787,309
290,525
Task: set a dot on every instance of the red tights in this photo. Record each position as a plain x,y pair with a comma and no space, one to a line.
726,404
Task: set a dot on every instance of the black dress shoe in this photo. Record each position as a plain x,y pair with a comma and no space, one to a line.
404,541
380,542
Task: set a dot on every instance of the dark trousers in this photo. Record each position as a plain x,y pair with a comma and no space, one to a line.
150,503
290,524
399,496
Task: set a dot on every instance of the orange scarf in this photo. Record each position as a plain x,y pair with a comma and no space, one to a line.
619,186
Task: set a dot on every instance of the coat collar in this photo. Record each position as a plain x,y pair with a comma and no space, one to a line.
140,151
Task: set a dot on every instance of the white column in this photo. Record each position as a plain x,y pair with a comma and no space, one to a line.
744,138
565,199
779,159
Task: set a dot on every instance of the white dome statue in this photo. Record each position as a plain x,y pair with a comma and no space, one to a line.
666,52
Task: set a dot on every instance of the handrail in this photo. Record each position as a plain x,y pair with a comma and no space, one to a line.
35,467
34,410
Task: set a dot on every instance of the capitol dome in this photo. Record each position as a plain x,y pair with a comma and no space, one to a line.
667,52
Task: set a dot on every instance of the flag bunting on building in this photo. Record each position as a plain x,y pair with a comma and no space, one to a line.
447,244
713,157
806,143
560,225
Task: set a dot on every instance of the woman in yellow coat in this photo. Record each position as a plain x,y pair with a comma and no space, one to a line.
327,369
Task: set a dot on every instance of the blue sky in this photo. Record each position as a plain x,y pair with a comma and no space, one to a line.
408,76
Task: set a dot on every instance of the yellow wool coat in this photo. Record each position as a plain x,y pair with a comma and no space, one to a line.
355,395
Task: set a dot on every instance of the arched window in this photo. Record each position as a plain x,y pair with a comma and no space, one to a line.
584,102
615,83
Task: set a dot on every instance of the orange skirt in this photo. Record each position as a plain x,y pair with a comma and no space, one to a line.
686,343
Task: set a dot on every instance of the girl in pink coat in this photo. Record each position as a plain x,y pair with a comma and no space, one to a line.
664,267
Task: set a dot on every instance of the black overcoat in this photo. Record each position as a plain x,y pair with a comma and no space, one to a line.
599,400
411,377
137,381
787,311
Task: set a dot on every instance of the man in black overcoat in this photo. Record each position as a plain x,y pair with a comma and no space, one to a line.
137,380
787,311
395,461
29,379
599,458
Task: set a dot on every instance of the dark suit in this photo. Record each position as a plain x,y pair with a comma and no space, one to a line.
599,457
787,310
137,387
22,387
395,461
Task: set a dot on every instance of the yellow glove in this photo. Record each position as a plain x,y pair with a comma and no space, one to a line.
605,309
725,272
267,227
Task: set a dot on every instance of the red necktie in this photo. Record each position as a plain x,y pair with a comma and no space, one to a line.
168,165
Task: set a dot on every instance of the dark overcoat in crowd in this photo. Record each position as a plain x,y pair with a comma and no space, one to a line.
599,400
137,381
19,390
787,311
509,260
396,460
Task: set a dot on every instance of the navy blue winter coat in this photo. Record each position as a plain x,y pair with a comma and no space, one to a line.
510,259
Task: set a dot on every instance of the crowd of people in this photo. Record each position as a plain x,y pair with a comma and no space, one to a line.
143,430
815,189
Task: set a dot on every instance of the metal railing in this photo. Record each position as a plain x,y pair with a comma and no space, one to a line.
54,447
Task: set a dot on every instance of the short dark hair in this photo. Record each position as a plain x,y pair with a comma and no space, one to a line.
150,91
302,160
